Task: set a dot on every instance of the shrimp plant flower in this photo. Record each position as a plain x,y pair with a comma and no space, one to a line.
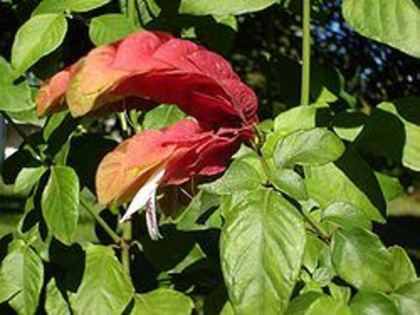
141,71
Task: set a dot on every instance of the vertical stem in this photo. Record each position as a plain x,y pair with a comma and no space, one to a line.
125,253
306,53
132,12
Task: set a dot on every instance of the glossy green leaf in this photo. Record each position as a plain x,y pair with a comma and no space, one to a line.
288,182
408,297
23,270
15,98
109,28
297,118
361,259
162,116
55,304
38,37
346,215
308,147
162,302
315,303
393,22
350,180
239,176
262,246
60,6
222,7
28,177
403,270
373,303
60,203
105,287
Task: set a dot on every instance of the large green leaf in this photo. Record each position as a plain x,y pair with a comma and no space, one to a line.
408,297
162,116
22,271
108,28
317,146
60,203
54,6
38,37
262,246
55,304
223,7
315,303
350,179
28,177
361,259
162,302
240,176
345,215
394,22
373,303
105,287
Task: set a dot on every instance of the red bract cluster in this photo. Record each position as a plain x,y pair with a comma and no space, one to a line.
140,71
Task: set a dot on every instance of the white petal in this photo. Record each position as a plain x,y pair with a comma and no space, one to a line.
151,220
144,194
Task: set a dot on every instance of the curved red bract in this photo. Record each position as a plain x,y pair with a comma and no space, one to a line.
149,68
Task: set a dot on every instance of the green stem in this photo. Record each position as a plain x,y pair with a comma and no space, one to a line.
132,12
127,238
114,236
316,226
306,53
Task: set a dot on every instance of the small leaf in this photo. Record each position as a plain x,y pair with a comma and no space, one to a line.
222,7
28,177
393,22
162,116
23,270
350,180
314,303
38,37
105,287
367,303
162,302
408,297
361,259
297,118
262,246
239,176
308,147
55,303
15,98
60,203
288,182
54,6
109,28
403,270
346,215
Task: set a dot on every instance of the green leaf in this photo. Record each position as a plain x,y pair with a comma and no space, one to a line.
23,272
162,116
408,297
222,7
55,303
15,98
54,6
315,303
393,132
390,186
38,37
350,180
288,182
345,215
308,147
60,203
227,309
340,293
262,246
393,22
6,71
109,28
105,287
373,303
28,177
403,270
313,250
297,118
162,302
361,259
240,176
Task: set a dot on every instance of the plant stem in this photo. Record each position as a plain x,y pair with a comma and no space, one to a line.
317,227
306,53
114,236
125,253
132,12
